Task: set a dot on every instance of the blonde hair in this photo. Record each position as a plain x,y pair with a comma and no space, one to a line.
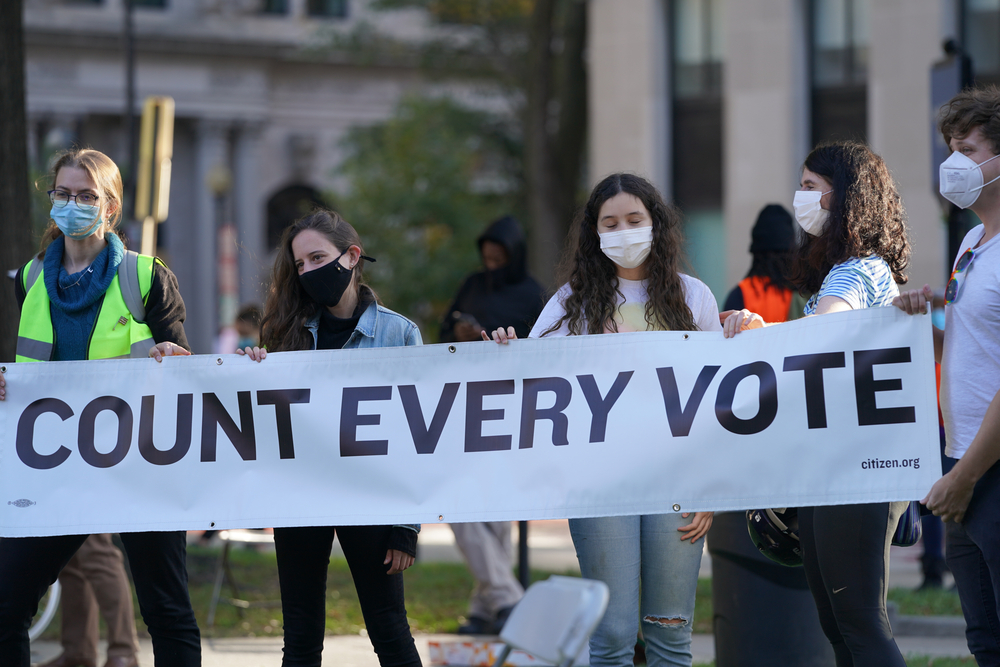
103,172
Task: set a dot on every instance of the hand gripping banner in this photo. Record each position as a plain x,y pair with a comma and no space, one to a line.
825,410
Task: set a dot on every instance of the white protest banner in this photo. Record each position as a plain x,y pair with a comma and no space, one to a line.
826,410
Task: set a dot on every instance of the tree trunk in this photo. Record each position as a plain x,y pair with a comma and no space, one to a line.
539,167
15,203
555,120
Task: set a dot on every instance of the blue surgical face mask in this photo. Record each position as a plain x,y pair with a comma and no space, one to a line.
76,222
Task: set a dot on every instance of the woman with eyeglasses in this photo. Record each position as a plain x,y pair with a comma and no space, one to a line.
852,256
75,306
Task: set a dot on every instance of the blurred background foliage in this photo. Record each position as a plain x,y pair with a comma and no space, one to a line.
420,188
437,172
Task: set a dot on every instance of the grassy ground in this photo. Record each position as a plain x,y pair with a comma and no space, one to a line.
916,661
934,602
436,597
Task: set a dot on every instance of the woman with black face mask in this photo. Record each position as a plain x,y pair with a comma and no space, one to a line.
319,301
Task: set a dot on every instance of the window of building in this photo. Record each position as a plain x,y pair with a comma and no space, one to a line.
981,28
336,9
274,7
696,76
839,50
154,4
288,205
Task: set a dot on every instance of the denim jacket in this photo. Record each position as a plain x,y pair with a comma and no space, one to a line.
377,327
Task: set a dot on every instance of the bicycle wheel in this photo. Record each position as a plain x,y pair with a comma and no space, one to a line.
51,604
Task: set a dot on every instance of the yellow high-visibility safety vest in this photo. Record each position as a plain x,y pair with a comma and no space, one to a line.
119,329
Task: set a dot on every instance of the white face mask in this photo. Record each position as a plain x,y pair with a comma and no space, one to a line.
628,248
808,213
961,179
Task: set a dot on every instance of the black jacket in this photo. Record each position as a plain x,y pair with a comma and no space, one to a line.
505,297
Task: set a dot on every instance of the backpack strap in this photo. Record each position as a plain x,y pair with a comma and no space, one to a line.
34,270
128,282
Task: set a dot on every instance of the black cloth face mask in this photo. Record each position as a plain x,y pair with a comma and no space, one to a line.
327,284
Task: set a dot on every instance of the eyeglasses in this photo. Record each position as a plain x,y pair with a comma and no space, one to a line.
958,276
60,198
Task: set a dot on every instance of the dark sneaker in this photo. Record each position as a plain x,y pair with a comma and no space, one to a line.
476,625
502,616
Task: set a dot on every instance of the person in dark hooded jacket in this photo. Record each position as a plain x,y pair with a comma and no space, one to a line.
503,294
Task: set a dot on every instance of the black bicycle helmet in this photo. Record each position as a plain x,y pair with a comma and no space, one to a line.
776,534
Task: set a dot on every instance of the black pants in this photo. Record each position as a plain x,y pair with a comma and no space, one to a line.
303,560
845,550
974,559
29,565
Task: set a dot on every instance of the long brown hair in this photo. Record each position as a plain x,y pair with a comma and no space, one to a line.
866,215
103,172
592,276
288,307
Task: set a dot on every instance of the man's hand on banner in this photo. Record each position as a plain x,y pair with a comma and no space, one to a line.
735,321
698,527
257,354
161,350
500,336
400,560
914,302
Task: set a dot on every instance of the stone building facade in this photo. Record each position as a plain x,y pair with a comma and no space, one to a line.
719,102
260,95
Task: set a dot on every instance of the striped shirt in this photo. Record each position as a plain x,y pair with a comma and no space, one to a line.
861,282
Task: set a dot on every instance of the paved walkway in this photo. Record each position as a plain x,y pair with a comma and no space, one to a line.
356,651
550,549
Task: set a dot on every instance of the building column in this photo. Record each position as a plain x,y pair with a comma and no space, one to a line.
765,115
211,151
905,42
628,95
248,208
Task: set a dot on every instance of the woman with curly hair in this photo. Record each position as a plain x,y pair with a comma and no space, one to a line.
623,274
319,300
853,256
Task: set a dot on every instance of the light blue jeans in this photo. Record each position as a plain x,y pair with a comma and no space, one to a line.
621,551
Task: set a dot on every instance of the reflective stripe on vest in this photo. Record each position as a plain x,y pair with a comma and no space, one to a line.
116,333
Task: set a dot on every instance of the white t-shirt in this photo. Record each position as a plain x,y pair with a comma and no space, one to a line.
631,311
970,363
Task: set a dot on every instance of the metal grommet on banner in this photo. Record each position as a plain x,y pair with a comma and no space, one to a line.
440,517
213,525
685,336
677,508
219,361
451,348
3,369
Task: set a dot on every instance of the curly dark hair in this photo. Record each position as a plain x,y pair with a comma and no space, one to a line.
774,266
590,307
866,215
972,108
288,307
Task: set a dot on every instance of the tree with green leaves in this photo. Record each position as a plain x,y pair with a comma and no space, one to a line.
421,187
531,51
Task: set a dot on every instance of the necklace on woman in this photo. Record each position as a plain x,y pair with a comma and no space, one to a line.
89,269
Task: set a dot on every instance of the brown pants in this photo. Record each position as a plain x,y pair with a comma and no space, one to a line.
95,578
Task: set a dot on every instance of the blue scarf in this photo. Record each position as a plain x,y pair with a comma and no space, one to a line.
76,299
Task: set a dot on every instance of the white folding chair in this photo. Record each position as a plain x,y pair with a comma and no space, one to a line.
554,619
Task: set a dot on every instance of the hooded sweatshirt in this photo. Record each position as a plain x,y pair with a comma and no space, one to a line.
504,297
